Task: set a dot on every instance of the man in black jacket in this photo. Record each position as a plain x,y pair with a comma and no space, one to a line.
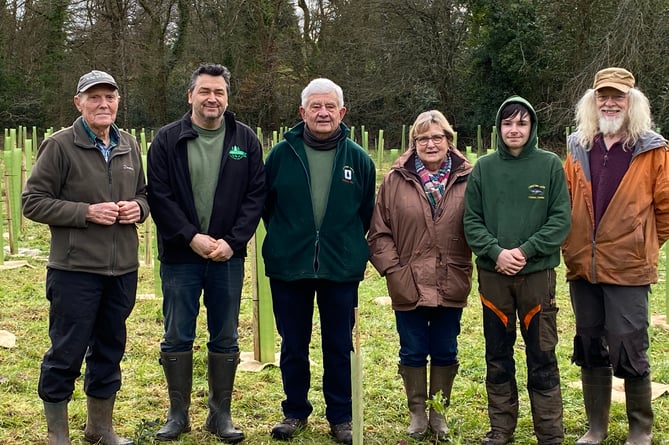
206,182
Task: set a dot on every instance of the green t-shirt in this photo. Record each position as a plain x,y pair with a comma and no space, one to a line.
204,163
320,172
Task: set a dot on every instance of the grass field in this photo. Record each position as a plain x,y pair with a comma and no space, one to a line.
142,401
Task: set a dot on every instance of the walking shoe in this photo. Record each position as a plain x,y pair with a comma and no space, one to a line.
495,437
286,429
342,432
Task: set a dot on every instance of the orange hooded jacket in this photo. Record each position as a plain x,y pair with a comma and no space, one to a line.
624,249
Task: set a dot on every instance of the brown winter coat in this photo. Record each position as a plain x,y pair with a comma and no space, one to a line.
625,248
426,260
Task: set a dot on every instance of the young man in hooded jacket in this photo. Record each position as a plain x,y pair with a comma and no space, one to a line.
516,217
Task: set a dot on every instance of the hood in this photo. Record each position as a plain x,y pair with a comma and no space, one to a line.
532,141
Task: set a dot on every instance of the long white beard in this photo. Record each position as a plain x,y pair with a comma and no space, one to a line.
611,126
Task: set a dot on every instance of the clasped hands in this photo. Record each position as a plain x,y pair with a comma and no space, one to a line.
510,261
107,213
210,248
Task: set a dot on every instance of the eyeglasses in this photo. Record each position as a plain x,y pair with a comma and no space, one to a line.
424,140
617,98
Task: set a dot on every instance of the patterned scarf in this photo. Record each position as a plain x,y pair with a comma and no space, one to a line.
434,184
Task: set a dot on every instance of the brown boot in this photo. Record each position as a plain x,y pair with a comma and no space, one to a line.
502,412
99,429
546,408
441,379
287,428
638,395
415,385
597,400
57,423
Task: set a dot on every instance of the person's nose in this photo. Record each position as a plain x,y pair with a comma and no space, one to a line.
610,101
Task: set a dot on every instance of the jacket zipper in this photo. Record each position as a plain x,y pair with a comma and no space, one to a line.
317,241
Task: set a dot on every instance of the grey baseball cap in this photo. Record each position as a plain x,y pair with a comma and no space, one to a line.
95,77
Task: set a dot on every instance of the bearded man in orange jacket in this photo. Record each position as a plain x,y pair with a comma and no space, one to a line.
618,179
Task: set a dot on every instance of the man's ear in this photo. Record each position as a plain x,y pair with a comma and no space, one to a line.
77,102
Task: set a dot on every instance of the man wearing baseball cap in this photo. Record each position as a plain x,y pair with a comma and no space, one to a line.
617,176
94,78
88,185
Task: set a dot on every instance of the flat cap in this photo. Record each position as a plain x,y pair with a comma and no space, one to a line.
618,78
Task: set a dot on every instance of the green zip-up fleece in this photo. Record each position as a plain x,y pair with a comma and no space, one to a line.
293,249
517,202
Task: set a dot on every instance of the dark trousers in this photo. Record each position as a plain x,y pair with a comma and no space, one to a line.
293,303
611,327
529,299
86,320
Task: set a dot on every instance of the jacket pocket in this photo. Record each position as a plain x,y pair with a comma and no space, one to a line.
402,286
456,282
548,336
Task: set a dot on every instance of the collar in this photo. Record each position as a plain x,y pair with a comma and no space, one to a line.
114,135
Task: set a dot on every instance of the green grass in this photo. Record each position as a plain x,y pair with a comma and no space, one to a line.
142,401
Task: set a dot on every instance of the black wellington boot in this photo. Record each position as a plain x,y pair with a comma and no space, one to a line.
222,369
178,368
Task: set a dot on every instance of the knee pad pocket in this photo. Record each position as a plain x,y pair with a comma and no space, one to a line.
590,352
629,357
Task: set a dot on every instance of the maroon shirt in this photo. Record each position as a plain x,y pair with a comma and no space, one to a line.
607,169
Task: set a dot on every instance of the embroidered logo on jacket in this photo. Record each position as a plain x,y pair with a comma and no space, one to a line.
237,153
348,174
537,191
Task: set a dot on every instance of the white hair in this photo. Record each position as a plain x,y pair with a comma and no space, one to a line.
638,119
322,85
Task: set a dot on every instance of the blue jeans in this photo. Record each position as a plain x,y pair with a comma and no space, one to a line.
221,284
429,331
86,320
293,303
